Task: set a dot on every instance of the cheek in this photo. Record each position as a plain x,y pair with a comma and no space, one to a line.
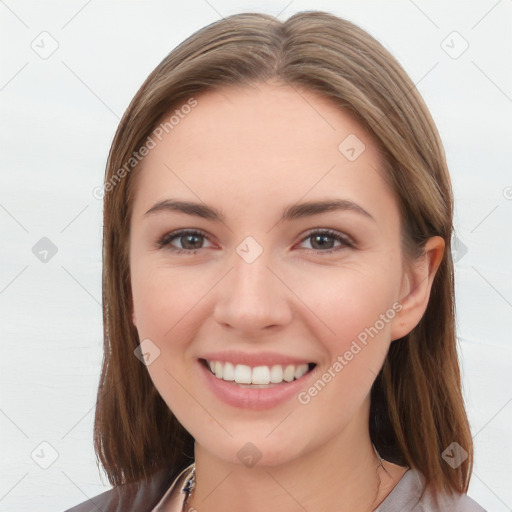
358,310
164,299
351,303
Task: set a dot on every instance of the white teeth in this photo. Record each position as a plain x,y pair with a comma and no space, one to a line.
259,375
301,370
289,373
276,374
242,374
218,369
228,372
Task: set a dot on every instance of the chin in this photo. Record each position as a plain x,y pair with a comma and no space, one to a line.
255,447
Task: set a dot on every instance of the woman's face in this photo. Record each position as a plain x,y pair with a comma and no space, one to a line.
264,286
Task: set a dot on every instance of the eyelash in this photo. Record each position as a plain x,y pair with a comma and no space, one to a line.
165,241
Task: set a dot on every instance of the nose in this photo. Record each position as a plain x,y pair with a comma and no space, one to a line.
252,297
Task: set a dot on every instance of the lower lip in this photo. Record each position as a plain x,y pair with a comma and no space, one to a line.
255,399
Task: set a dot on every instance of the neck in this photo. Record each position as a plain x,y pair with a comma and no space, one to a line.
347,475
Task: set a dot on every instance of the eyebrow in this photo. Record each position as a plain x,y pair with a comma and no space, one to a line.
292,212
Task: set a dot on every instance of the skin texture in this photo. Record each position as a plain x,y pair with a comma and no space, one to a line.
251,152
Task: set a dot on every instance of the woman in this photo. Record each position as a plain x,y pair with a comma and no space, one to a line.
278,283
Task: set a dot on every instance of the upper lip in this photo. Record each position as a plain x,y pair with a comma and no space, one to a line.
256,359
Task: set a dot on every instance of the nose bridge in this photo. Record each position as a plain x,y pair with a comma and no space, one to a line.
251,296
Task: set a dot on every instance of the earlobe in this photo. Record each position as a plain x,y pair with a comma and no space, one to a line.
416,287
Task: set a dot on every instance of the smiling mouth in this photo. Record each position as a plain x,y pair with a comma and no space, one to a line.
257,376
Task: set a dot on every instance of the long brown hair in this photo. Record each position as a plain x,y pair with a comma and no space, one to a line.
417,407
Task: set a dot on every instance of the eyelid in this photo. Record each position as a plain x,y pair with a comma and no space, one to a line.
330,232
165,241
345,240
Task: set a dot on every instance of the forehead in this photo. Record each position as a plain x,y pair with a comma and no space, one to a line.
245,145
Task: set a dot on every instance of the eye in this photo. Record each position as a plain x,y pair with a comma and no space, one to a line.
192,240
189,239
320,238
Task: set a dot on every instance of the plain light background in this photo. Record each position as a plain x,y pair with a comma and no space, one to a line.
59,112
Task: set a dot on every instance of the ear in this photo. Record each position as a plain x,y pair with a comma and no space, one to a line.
416,285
